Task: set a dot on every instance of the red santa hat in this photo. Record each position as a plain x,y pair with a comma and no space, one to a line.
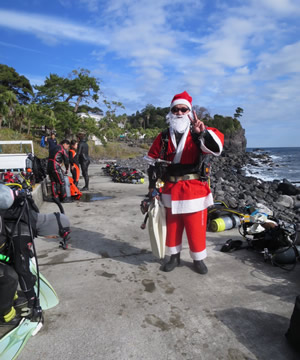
183,98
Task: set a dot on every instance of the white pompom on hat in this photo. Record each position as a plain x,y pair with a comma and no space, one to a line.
6,197
183,98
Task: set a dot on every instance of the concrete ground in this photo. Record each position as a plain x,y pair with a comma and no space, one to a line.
116,303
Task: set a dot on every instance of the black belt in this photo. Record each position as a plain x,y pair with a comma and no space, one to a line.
175,179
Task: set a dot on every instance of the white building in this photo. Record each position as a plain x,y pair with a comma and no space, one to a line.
98,118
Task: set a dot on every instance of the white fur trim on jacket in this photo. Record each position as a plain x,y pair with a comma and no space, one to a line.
187,206
217,140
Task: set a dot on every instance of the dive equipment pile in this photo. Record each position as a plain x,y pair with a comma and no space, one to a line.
275,239
123,174
34,173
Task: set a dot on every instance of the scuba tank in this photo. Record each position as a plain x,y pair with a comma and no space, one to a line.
28,163
138,181
225,222
67,184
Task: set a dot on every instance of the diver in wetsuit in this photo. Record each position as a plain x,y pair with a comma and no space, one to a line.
84,160
57,156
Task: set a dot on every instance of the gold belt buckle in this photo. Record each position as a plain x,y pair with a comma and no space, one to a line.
175,179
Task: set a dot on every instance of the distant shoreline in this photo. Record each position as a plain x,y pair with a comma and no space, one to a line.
257,148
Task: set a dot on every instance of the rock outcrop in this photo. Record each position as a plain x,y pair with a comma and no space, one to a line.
235,142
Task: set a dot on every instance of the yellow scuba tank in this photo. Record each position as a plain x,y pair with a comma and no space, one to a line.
225,222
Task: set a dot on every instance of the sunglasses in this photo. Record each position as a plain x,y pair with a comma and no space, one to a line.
175,110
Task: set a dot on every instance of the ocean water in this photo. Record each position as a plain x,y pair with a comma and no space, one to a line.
285,164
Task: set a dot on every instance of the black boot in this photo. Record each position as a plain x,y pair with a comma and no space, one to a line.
67,200
10,318
200,267
86,185
20,301
13,322
173,262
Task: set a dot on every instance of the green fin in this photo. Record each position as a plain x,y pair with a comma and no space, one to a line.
48,296
13,342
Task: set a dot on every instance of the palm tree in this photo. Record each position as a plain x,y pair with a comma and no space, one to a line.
8,101
39,116
21,113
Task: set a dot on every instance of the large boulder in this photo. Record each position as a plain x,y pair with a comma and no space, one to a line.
235,142
286,188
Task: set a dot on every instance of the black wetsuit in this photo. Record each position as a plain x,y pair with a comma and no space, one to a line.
52,143
57,156
84,160
8,287
17,246
8,276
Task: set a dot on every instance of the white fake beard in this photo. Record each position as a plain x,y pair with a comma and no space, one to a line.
179,123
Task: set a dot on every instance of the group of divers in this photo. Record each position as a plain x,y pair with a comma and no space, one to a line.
24,292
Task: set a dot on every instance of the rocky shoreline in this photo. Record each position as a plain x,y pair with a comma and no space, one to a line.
230,184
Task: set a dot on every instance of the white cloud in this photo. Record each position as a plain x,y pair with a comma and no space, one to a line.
242,70
35,80
50,27
279,7
3,43
245,54
280,63
91,5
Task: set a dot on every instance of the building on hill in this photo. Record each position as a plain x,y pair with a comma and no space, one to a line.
96,117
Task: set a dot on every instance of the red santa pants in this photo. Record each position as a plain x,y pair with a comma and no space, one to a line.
195,228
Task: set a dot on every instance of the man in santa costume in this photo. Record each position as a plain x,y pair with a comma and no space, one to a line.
185,194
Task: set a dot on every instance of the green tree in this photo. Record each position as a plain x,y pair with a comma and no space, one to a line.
66,96
8,101
78,88
39,116
87,109
68,122
10,80
112,107
238,112
89,126
20,117
150,117
226,124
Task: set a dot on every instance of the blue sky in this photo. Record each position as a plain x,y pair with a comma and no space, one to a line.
224,53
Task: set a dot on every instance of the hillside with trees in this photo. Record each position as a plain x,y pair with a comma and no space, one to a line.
36,110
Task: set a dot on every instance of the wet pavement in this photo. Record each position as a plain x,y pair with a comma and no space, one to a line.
116,303
90,196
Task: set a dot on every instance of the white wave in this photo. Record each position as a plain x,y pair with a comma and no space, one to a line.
275,157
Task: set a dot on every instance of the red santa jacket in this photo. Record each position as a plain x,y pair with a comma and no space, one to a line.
187,196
